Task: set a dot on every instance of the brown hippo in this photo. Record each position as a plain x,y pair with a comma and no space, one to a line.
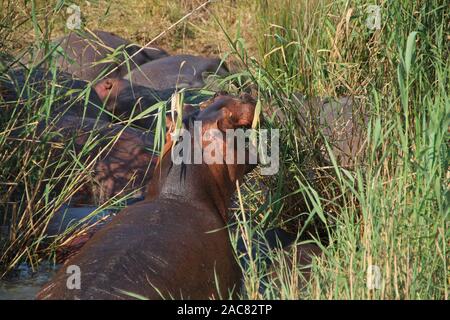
124,164
125,100
86,55
180,71
69,96
174,244
123,157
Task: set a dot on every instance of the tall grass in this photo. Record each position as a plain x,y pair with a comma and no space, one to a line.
41,169
390,209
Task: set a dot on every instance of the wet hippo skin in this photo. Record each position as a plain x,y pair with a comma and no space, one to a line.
83,53
275,238
180,71
174,243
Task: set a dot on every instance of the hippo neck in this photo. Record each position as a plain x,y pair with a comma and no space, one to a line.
197,184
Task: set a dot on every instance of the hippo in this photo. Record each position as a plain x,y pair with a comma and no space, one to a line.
86,55
178,71
278,241
339,122
174,244
69,95
125,100
123,157
275,238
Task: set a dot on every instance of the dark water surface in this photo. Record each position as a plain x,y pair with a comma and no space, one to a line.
24,283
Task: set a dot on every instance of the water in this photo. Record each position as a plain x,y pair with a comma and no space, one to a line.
24,283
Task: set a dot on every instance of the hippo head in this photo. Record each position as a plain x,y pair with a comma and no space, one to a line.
120,96
224,120
124,99
109,89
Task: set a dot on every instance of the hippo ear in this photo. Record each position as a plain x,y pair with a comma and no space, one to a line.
103,88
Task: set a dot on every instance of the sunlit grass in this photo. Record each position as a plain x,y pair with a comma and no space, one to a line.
390,210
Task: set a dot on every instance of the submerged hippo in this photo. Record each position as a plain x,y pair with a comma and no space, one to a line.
273,246
181,71
294,260
91,56
174,243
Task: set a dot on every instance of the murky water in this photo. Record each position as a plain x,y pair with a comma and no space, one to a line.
24,284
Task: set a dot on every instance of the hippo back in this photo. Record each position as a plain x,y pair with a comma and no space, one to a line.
181,71
92,56
123,156
129,256
69,95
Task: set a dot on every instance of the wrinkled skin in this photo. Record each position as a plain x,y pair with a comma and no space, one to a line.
181,71
125,100
84,52
68,93
175,240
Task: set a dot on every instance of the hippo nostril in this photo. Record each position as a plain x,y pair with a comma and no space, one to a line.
244,124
